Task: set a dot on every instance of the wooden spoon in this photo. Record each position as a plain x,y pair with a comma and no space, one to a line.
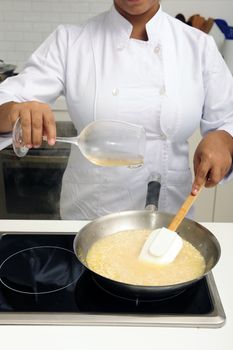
179,217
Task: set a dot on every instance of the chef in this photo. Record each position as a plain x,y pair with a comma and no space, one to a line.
137,64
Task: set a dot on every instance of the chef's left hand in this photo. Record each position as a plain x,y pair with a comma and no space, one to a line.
212,159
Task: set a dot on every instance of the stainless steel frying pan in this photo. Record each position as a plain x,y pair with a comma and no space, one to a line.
201,238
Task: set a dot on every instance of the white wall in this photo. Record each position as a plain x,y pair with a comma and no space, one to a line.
24,24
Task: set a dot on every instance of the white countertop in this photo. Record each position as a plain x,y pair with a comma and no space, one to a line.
99,337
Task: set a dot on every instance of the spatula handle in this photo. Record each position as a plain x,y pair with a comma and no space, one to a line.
178,218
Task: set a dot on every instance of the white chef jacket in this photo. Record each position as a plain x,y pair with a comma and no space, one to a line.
171,84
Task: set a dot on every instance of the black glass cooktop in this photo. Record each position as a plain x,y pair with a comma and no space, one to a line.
39,273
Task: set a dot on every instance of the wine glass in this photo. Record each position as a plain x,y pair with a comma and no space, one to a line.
19,146
102,142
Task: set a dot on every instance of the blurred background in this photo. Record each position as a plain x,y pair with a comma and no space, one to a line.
24,24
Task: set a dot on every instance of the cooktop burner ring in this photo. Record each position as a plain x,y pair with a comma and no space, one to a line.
137,300
40,259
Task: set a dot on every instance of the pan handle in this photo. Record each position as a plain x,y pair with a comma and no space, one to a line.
152,198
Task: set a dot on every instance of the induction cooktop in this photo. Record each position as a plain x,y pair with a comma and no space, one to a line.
42,282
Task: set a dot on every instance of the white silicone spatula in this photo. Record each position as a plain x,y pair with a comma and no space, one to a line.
164,244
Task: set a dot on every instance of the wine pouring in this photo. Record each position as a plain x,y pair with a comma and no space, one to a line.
102,142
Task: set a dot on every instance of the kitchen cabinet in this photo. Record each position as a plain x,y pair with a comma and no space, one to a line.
30,186
223,209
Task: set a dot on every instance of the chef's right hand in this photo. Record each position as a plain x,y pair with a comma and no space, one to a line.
37,120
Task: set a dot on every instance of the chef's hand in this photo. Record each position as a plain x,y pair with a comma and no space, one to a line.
212,159
37,120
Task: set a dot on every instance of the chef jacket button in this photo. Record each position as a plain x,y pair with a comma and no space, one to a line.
120,47
163,136
162,90
115,92
157,49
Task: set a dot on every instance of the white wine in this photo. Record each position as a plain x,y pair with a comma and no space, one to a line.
123,159
113,143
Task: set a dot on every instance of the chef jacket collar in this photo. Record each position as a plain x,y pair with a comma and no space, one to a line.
122,28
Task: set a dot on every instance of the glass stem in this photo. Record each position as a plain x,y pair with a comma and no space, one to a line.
72,140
